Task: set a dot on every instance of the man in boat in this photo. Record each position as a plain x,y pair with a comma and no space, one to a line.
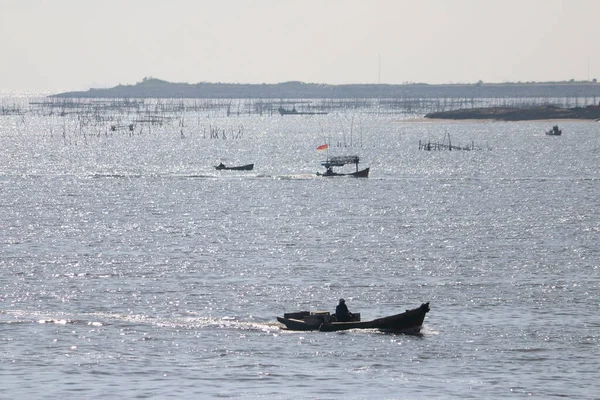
342,314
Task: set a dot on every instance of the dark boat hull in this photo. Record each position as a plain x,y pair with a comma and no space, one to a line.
297,324
248,167
358,174
408,322
361,174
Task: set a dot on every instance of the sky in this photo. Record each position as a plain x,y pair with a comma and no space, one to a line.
64,45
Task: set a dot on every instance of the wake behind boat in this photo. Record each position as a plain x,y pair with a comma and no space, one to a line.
247,167
408,322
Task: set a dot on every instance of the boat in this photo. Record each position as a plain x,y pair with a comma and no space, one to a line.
554,131
340,161
247,167
409,322
293,111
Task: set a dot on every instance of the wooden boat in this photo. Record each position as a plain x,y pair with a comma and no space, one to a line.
293,111
409,322
554,131
340,161
248,167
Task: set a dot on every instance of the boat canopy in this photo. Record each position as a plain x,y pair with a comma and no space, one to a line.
339,161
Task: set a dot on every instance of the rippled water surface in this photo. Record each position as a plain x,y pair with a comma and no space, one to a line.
131,268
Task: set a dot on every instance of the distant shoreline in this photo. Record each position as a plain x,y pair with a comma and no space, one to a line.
489,121
519,114
156,88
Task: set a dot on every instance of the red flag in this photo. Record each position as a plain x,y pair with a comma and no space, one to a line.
322,147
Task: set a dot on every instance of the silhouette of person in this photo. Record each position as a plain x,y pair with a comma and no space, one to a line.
342,314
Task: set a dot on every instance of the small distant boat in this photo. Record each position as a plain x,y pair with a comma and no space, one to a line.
293,111
554,131
408,322
247,167
340,161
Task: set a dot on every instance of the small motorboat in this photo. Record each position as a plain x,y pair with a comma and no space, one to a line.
293,111
555,131
409,322
340,161
247,167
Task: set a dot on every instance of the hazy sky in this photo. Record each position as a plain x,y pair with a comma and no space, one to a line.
59,45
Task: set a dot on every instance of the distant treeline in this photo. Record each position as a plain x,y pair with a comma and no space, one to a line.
156,88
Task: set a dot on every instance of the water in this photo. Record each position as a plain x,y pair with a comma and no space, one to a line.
132,269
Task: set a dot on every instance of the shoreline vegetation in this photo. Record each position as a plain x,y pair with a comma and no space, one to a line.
519,113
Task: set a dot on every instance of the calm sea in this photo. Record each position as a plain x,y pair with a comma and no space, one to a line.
131,268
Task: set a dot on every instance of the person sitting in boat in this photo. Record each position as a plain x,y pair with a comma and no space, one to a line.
342,314
221,166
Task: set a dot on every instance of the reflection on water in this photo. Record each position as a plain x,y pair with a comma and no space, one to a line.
131,267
